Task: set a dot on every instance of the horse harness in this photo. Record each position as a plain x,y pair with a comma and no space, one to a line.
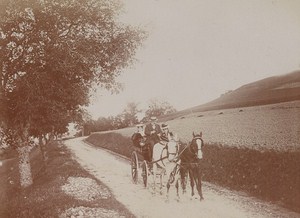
168,153
193,140
189,146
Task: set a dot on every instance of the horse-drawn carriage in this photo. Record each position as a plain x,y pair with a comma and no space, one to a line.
158,165
169,159
140,159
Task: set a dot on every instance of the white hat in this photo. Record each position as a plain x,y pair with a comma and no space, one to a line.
153,118
164,126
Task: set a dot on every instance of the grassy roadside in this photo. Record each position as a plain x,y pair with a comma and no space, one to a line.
45,198
270,175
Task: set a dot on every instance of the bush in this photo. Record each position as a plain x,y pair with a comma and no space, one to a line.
112,141
269,174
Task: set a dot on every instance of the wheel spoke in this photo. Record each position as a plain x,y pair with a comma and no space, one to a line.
134,167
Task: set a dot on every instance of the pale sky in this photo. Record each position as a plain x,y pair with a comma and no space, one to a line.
199,49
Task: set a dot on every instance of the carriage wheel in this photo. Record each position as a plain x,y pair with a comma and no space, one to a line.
145,173
134,167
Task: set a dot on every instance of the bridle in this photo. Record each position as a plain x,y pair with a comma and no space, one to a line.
172,153
191,147
175,154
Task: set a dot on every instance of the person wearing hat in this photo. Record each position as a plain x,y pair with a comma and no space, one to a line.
140,129
138,135
166,135
153,133
138,140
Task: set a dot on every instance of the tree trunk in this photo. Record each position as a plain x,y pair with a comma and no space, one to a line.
43,149
24,166
46,139
51,137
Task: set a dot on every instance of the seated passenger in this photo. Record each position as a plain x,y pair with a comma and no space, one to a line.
138,137
153,133
166,134
138,140
140,129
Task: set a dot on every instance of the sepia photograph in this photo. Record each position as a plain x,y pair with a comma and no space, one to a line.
150,108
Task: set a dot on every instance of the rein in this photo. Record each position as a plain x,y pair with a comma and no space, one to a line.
183,150
162,158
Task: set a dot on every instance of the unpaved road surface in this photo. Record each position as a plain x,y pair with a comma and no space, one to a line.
115,172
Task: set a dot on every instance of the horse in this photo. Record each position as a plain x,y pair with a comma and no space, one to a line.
191,164
165,157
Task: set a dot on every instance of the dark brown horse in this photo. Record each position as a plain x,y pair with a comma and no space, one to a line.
191,164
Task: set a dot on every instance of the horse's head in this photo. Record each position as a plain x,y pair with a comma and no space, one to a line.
196,145
173,149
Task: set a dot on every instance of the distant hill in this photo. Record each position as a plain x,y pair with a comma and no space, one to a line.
270,90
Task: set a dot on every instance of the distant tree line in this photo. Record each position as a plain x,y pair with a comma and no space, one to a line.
128,117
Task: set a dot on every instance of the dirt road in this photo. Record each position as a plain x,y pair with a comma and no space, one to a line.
219,202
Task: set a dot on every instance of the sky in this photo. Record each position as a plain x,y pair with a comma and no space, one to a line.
199,49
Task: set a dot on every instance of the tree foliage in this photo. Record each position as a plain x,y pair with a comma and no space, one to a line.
158,108
130,114
51,53
128,117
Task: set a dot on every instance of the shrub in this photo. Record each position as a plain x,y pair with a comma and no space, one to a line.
269,174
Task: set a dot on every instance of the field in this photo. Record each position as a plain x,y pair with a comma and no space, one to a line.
271,90
275,126
253,149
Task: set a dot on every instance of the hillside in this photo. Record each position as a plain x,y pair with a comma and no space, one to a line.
266,91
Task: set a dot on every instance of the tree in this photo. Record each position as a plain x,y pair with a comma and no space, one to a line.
158,107
103,124
118,122
52,52
130,114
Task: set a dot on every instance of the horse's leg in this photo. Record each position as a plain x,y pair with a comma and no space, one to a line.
199,184
161,183
154,169
168,188
192,181
177,189
183,174
175,179
170,179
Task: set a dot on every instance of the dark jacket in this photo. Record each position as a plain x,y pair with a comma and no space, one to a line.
150,128
154,136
